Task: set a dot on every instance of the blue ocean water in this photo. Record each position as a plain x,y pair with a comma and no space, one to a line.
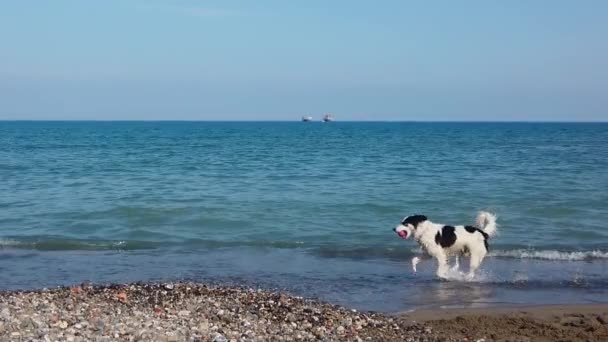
305,207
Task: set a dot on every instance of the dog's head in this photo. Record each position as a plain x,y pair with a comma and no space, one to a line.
408,225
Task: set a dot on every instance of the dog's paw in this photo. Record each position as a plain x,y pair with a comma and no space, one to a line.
415,261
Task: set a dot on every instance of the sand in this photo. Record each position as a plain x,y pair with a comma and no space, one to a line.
531,323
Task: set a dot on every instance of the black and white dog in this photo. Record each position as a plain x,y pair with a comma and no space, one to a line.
442,242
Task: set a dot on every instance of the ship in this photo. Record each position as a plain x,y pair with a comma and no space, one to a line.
328,118
306,118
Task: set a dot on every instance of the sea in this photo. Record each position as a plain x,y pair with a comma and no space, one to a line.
306,207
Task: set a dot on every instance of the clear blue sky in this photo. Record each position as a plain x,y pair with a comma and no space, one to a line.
361,60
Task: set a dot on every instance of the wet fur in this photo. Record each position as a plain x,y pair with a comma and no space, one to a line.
443,241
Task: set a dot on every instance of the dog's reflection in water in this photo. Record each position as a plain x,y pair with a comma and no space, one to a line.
453,293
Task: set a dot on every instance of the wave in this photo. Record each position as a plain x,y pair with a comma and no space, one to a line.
329,250
391,253
69,244
551,254
61,244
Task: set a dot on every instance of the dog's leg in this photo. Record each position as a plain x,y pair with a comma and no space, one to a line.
442,264
418,259
456,263
415,261
476,259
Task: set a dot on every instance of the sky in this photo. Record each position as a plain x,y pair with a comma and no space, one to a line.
517,60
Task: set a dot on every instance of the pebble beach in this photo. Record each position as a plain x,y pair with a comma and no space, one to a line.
187,312
198,312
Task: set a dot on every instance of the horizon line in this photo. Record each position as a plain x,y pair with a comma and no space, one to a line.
286,121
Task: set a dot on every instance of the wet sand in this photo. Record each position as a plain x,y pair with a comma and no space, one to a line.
521,323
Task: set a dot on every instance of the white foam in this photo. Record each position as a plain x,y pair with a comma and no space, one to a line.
457,275
550,255
9,243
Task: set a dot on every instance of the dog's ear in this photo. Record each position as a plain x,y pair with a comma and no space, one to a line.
414,220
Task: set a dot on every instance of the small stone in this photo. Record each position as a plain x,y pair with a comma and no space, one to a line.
63,324
25,324
219,338
169,287
37,324
347,322
184,313
5,313
203,326
55,318
122,297
340,330
573,321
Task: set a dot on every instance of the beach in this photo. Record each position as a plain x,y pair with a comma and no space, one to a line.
198,312
521,323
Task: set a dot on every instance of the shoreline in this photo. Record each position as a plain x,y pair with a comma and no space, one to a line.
532,311
201,312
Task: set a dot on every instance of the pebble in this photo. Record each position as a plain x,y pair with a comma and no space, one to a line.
5,313
172,337
219,338
182,312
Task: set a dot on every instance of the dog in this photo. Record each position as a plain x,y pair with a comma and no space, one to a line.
443,242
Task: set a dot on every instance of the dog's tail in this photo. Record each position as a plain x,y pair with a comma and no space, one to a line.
487,222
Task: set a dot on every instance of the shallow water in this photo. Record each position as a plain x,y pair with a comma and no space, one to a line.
306,207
